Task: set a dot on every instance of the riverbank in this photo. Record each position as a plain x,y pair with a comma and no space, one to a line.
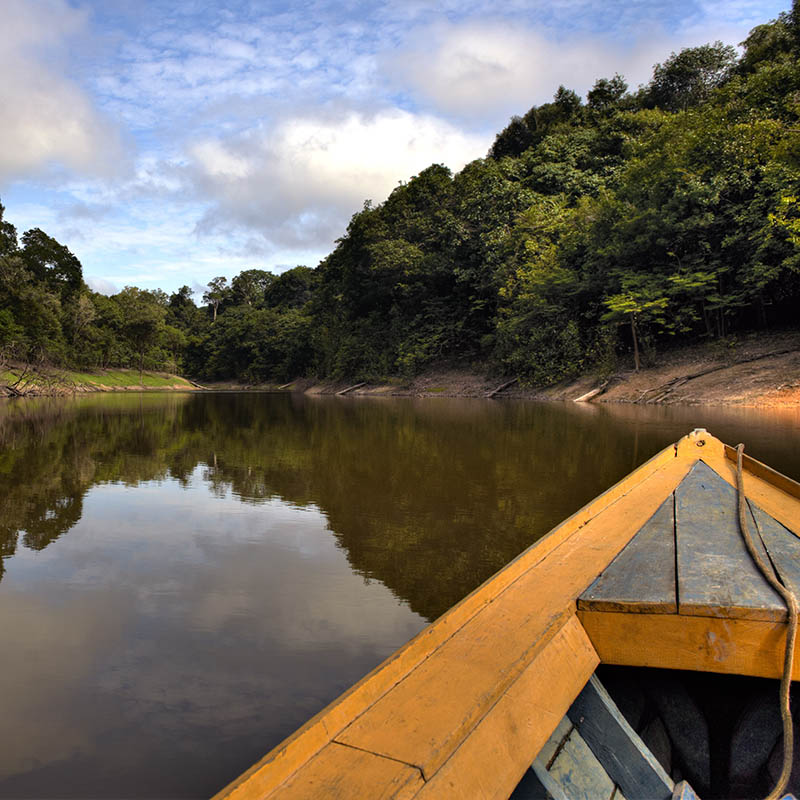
17,381
754,371
760,370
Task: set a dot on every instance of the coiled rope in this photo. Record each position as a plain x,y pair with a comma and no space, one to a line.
791,633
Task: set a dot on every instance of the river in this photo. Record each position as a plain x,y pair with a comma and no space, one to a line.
186,578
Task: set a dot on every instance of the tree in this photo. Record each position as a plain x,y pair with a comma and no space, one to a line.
142,321
292,289
249,286
769,43
8,235
52,263
687,78
642,299
567,101
217,292
606,93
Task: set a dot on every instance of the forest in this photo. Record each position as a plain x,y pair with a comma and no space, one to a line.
595,232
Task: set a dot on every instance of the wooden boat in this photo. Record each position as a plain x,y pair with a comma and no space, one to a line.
652,573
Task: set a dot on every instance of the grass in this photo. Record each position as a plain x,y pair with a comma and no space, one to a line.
111,379
124,377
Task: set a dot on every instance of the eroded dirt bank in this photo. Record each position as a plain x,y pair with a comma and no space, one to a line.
757,371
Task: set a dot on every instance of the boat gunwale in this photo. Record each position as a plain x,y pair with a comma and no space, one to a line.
305,742
765,472
281,763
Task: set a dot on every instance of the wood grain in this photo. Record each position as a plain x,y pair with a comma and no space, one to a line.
342,773
290,755
492,760
536,589
783,548
716,575
617,746
705,644
778,502
423,718
642,577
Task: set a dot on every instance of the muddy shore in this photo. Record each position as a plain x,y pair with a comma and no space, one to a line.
755,371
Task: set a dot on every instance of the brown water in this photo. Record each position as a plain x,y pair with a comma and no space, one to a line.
186,579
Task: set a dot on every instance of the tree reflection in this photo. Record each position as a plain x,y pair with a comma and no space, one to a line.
430,501
428,497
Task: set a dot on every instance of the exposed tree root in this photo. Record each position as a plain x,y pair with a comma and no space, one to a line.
501,387
660,393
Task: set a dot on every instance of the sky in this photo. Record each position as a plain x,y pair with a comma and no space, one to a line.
166,142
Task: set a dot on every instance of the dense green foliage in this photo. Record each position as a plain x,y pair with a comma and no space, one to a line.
590,231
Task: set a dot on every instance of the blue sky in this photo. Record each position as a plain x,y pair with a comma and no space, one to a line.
167,142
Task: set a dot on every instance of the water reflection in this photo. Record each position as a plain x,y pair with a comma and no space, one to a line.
189,577
429,497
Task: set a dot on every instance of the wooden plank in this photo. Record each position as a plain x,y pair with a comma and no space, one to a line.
427,714
705,644
493,759
766,473
617,746
683,791
642,577
716,576
342,773
783,548
555,742
580,773
773,492
664,469
351,388
584,539
538,784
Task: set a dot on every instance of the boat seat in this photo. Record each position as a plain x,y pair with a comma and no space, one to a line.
594,753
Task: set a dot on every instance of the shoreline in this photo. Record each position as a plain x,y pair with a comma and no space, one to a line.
760,371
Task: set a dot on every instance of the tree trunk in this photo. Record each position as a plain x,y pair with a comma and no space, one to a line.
635,342
762,311
707,320
141,369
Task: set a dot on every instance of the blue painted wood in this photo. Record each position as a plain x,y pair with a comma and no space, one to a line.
642,576
684,792
783,548
617,746
538,784
579,772
716,576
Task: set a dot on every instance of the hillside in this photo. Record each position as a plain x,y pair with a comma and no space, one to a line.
597,231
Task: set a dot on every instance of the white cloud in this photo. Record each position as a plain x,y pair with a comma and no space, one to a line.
101,285
46,120
478,68
298,183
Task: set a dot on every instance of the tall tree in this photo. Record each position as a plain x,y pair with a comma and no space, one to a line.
217,292
687,78
142,321
249,286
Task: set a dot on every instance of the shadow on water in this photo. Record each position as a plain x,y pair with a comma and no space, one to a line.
207,571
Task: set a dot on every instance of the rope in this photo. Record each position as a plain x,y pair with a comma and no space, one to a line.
791,633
